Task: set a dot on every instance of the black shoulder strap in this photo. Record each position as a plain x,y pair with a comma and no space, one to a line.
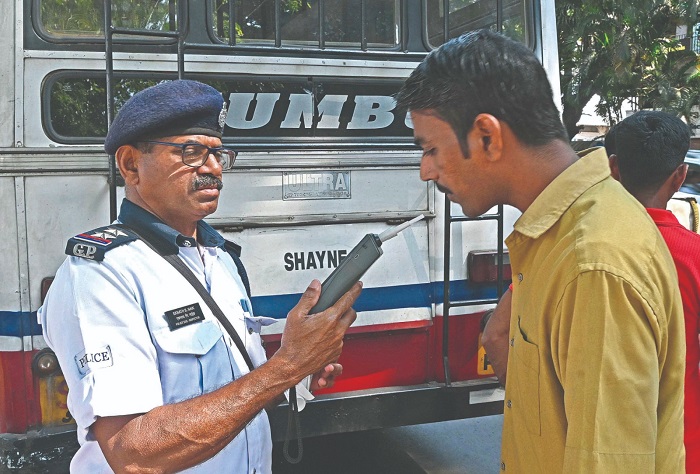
180,266
234,251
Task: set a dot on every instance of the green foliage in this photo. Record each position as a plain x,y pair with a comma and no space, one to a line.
625,50
78,106
86,17
293,6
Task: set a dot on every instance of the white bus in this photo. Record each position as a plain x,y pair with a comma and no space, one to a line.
324,159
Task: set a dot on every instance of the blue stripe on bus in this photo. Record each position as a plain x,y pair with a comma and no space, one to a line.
388,297
19,324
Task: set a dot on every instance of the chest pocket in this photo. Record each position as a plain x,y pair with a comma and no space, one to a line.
526,360
192,360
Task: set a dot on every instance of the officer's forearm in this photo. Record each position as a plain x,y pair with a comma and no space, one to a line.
173,437
275,402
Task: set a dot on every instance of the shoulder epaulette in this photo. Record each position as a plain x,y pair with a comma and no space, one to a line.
94,244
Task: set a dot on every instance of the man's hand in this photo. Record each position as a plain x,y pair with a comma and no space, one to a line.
495,336
311,342
325,378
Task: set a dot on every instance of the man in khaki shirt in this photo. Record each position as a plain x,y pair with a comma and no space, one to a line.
596,364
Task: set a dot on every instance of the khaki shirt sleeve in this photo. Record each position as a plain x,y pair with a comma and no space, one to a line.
607,357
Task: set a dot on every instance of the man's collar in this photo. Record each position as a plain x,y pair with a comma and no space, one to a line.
209,237
662,216
164,237
591,168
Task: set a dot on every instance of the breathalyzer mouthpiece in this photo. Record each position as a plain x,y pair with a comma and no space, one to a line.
394,231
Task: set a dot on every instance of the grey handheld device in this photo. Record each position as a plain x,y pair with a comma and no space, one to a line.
354,265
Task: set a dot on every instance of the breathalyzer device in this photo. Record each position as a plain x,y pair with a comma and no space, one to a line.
355,264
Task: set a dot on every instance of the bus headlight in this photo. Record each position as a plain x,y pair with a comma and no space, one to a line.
45,363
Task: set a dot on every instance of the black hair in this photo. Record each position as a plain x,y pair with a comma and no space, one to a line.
650,145
609,142
485,72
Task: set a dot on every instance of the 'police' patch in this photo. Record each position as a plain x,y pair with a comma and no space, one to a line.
93,245
87,361
180,317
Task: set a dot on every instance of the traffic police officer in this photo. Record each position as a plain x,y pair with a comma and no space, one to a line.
155,382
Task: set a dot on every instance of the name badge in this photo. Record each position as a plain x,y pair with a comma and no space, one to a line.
180,317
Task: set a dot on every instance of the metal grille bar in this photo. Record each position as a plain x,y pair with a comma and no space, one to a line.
110,31
278,23
231,23
449,220
321,21
446,20
448,304
363,25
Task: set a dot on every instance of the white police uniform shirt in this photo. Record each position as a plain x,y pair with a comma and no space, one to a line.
108,324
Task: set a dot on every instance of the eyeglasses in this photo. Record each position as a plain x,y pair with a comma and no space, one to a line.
196,154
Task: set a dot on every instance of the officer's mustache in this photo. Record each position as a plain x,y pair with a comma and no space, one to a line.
207,181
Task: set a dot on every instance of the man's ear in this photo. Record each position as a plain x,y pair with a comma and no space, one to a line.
678,177
488,136
614,166
127,159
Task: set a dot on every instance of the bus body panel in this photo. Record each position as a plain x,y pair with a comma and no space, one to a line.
10,289
298,199
8,32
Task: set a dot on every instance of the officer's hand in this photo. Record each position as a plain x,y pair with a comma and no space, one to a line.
325,378
310,342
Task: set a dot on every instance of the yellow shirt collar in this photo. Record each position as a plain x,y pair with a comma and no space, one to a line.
591,168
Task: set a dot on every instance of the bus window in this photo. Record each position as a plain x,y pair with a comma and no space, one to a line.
344,22
300,109
85,18
77,112
469,15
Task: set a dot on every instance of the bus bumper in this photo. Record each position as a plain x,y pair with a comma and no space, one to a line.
37,451
389,407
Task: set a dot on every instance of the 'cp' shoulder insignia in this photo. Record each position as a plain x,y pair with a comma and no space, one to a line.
94,244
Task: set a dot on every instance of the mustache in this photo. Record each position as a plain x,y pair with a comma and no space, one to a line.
208,181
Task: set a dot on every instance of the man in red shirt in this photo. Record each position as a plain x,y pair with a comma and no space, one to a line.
646,153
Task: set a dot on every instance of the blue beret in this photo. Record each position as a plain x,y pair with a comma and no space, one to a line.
180,107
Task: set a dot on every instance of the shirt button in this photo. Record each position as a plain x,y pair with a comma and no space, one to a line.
503,466
250,330
512,342
508,404
520,277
